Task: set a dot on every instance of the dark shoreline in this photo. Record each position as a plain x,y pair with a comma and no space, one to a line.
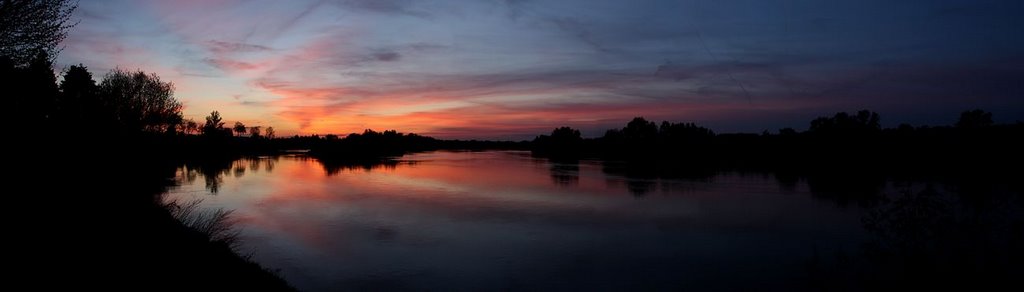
105,224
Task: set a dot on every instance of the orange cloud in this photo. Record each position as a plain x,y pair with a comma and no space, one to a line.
490,107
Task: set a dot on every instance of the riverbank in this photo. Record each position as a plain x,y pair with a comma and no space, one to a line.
91,215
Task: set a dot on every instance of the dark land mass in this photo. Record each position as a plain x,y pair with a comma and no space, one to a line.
844,145
88,164
97,218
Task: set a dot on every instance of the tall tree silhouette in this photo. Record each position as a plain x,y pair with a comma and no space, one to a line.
77,100
214,124
35,91
30,27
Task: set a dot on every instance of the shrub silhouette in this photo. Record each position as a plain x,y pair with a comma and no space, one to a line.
973,119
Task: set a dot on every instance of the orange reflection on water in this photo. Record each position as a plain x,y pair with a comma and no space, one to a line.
457,213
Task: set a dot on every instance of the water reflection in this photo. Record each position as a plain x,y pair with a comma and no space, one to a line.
505,220
333,168
927,238
845,188
214,170
565,173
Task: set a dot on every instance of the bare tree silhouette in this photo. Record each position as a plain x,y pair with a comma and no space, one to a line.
269,133
28,27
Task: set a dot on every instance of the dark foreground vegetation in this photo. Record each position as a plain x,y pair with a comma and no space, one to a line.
88,163
92,215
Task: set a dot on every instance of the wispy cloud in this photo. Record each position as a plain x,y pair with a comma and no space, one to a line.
222,47
515,68
399,7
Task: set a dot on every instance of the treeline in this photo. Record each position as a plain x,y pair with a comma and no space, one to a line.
373,145
133,112
848,142
123,102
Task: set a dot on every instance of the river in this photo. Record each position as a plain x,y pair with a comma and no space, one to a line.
503,220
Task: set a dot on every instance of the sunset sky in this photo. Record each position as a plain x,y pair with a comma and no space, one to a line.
513,69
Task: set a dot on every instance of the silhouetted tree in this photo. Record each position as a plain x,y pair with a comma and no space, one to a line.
77,100
566,134
35,91
239,128
683,132
270,133
31,27
140,101
974,119
564,142
254,131
214,125
638,138
640,129
189,127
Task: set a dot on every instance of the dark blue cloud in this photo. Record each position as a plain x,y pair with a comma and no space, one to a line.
758,63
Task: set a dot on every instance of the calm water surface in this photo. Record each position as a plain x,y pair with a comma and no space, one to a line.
505,220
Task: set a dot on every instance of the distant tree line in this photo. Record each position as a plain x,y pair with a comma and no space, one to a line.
850,142
368,147
372,145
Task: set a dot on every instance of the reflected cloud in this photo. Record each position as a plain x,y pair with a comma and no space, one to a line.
457,207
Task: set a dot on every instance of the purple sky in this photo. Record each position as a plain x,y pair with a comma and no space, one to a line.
517,68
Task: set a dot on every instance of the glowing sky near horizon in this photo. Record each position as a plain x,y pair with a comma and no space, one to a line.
513,69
